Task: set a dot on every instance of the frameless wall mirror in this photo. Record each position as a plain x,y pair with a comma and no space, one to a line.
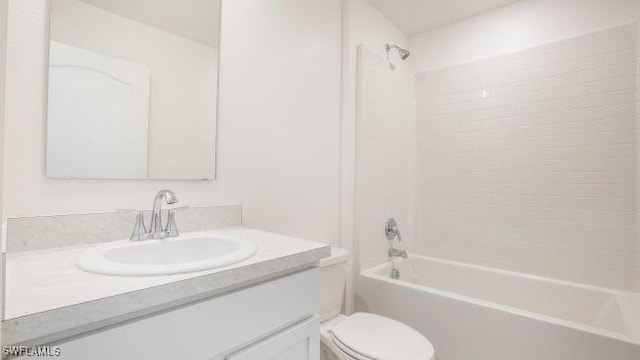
133,89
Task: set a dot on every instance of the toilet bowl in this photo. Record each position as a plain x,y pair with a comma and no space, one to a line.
361,336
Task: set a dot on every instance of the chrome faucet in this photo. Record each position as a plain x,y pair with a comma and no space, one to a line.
156,230
391,231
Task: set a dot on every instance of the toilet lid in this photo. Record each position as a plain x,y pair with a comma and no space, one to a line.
373,337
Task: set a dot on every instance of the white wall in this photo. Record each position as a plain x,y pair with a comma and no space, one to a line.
362,25
182,107
3,28
278,129
515,27
385,161
637,153
279,133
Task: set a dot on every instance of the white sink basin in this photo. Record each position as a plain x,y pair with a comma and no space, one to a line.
186,253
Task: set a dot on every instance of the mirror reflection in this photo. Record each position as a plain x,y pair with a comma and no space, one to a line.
132,89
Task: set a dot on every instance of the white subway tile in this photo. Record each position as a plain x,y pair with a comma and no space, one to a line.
530,161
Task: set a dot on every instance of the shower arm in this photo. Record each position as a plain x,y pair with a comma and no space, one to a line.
388,47
403,53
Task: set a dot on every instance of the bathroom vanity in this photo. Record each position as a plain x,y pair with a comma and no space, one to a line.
264,307
273,320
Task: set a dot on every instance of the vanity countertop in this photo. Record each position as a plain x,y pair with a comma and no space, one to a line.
48,298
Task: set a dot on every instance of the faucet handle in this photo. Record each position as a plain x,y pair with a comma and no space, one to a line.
391,230
139,229
171,230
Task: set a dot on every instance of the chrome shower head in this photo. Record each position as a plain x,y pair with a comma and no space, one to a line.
404,53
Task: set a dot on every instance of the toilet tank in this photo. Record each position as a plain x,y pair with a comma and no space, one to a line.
333,278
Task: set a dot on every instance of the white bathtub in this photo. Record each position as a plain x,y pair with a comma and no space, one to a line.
477,313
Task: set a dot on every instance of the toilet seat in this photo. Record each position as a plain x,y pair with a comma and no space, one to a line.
365,336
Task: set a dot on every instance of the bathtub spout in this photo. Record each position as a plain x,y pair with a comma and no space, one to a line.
397,253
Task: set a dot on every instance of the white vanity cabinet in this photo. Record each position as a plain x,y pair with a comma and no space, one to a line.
273,320
299,342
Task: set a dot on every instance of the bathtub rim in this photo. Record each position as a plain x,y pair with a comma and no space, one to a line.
372,273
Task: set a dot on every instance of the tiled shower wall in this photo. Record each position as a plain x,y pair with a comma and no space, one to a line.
528,161
385,148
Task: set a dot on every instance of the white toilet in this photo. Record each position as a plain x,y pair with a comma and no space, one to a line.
361,336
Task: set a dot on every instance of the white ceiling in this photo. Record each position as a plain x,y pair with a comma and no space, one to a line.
414,16
196,20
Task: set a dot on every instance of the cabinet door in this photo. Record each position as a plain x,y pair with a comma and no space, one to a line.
299,342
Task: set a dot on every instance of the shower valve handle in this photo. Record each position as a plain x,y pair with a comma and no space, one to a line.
391,230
